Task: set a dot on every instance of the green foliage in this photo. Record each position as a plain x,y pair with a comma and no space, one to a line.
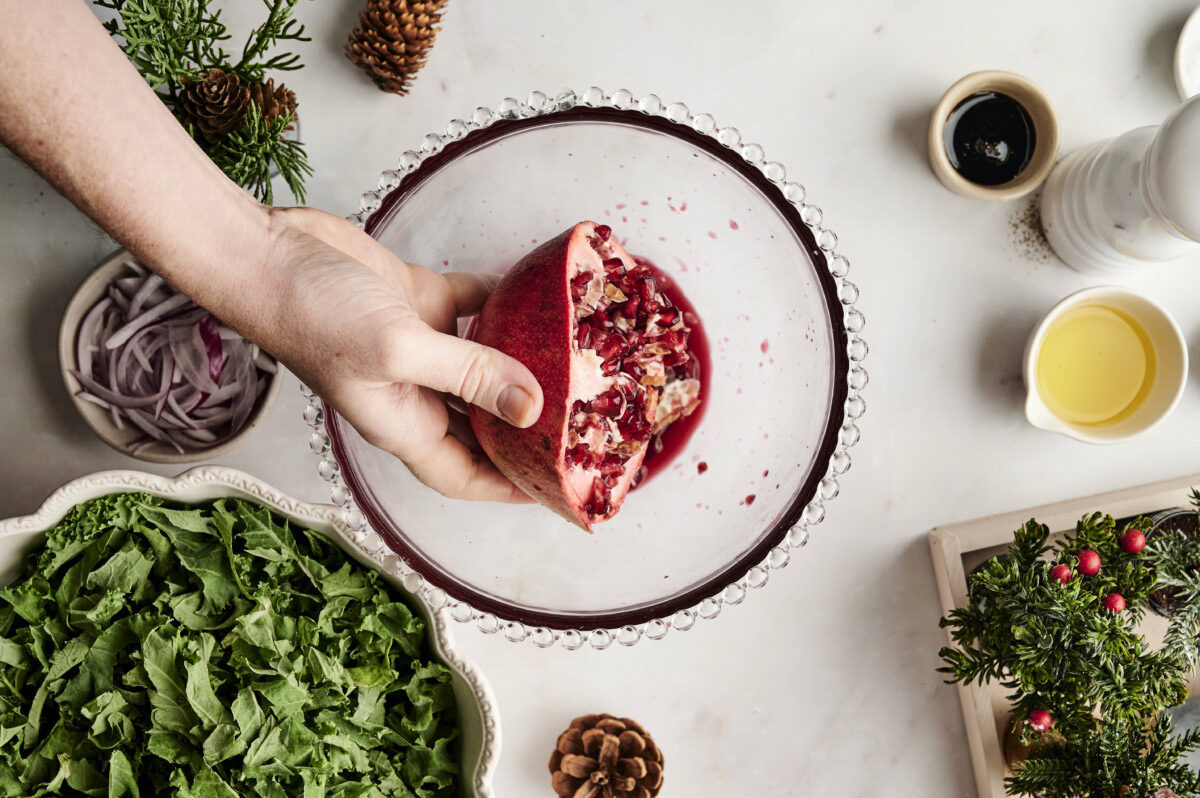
215,650
1175,559
1055,645
1118,759
170,41
247,153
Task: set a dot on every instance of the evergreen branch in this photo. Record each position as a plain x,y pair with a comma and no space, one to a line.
167,40
246,156
173,41
1133,758
279,25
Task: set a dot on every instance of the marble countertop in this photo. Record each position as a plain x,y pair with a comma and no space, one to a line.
824,683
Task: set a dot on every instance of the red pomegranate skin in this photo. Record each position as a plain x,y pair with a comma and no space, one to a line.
529,316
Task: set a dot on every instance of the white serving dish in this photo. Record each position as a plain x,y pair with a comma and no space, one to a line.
478,715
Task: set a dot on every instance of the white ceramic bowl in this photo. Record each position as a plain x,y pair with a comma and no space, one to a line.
88,294
1187,57
478,715
1171,356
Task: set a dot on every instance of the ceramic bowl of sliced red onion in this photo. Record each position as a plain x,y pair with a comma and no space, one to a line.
154,374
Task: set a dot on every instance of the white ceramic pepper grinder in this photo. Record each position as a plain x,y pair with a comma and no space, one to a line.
1117,206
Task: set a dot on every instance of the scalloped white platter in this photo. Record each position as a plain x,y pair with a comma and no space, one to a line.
478,714
959,548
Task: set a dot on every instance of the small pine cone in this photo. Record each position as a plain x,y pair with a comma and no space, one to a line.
215,104
392,40
600,756
273,102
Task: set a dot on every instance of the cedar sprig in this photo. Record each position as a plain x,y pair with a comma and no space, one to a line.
173,41
247,153
1118,759
279,26
168,40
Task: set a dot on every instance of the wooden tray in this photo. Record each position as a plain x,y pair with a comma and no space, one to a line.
958,548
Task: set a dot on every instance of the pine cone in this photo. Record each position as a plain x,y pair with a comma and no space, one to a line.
215,104
273,102
392,39
600,756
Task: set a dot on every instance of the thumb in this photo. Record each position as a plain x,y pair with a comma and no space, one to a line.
482,376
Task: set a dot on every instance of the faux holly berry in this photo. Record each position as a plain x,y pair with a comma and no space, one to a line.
1114,602
1061,572
1040,720
1133,541
1089,562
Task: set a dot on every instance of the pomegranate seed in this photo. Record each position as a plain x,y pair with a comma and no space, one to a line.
651,306
613,266
639,477
668,316
578,454
579,284
630,308
583,336
647,288
610,367
603,231
608,404
611,345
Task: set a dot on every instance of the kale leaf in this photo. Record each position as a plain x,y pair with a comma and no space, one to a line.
214,650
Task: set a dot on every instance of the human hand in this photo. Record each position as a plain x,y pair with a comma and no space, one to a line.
374,337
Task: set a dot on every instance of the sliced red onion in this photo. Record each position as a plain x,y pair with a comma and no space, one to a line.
138,322
152,358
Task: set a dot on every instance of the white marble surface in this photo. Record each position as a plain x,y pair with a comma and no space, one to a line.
824,683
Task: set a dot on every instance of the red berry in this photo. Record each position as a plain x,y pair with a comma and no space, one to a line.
1133,541
1114,602
1062,573
1089,562
1040,720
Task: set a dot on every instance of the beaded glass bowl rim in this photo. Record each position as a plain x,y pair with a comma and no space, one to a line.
727,144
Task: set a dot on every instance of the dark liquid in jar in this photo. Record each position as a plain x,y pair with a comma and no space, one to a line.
989,138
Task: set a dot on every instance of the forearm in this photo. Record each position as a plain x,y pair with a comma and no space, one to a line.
75,109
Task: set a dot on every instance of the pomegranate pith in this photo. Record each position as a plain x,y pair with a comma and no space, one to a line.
610,351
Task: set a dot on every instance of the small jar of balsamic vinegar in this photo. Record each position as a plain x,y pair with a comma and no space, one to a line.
993,136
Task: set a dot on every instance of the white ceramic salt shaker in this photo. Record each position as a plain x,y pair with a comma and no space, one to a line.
1117,206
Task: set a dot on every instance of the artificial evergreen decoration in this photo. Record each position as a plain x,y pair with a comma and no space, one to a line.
1056,645
1175,558
1118,760
231,108
392,40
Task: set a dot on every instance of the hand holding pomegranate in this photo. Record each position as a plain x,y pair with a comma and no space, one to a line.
374,336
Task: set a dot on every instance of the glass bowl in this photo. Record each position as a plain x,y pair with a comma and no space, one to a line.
753,257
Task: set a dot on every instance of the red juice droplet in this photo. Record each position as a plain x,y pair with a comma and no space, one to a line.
764,346
701,468
750,500
733,225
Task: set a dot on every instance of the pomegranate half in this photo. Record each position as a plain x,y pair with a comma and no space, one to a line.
610,351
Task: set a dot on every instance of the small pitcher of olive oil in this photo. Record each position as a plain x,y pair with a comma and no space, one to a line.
1104,365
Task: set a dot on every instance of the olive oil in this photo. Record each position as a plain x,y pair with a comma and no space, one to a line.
1095,366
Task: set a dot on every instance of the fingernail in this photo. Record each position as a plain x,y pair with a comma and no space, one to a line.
515,404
